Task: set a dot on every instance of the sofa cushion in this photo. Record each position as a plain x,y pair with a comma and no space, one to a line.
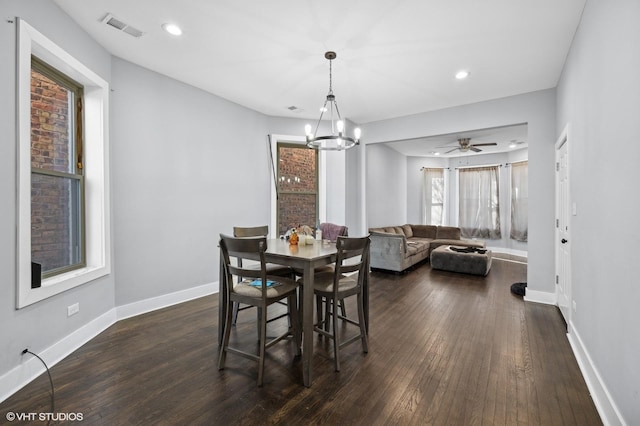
399,230
424,231
390,229
448,233
408,232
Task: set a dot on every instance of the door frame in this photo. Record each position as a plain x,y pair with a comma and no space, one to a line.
563,140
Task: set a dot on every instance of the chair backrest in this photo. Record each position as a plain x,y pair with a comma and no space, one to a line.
254,231
243,248
331,231
349,248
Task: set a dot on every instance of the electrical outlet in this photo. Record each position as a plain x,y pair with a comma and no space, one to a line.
73,309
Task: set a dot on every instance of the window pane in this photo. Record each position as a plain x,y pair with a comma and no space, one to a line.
297,169
55,221
437,194
51,125
295,210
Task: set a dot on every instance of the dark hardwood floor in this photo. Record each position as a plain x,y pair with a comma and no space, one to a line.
444,349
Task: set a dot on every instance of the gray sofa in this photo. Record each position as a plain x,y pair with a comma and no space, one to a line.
395,248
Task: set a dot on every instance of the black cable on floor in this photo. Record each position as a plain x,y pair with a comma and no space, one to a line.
27,351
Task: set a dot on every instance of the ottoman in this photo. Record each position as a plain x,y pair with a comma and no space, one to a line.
446,259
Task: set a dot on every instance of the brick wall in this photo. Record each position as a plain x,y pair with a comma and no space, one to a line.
50,196
297,185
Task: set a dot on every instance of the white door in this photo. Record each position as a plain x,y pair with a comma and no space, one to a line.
563,240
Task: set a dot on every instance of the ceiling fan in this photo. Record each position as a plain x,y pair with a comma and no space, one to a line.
466,145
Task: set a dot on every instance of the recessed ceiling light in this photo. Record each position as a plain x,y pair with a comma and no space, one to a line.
172,29
461,75
513,145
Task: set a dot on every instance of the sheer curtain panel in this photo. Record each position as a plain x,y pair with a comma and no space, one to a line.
432,196
519,201
479,209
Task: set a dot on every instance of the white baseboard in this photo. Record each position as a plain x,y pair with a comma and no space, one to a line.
31,367
609,413
514,252
540,297
165,300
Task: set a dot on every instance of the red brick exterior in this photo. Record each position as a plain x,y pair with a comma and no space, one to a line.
297,187
50,195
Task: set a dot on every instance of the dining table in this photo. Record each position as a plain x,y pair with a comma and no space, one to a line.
307,258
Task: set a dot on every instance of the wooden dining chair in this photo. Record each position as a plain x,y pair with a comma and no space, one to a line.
254,287
272,268
334,287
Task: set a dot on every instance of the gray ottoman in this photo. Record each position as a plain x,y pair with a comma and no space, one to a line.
468,263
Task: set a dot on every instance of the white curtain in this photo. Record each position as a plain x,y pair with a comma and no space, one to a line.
479,209
432,196
519,201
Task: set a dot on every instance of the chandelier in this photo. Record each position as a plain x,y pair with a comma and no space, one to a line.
337,140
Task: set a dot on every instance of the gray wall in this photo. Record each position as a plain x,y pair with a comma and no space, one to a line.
386,186
187,166
599,97
537,109
40,325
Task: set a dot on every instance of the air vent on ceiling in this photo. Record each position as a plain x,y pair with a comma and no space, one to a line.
294,108
116,23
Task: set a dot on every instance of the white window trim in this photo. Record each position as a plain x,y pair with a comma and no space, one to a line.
96,160
322,179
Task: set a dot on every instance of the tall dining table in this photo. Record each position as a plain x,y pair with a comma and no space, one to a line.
306,258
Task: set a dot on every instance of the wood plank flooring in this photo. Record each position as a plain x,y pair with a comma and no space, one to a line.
444,349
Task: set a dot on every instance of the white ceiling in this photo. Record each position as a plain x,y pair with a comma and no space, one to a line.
507,138
395,57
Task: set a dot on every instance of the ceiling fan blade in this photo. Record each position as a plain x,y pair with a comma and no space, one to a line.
451,150
484,144
474,149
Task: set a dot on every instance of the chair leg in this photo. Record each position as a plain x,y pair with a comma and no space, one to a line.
343,310
263,340
328,317
336,336
295,323
236,308
363,328
225,340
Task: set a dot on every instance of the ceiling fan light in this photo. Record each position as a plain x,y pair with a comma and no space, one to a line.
462,74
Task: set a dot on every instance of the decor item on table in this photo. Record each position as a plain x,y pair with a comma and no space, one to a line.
293,238
337,141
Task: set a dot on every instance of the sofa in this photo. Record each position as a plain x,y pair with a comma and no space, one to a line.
396,248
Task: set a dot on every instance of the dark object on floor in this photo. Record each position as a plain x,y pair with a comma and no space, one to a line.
518,288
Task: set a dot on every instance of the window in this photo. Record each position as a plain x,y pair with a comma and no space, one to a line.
519,201
432,196
57,182
479,210
53,179
297,177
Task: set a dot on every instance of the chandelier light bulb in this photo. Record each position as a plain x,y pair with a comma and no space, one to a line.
340,126
357,132
307,129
